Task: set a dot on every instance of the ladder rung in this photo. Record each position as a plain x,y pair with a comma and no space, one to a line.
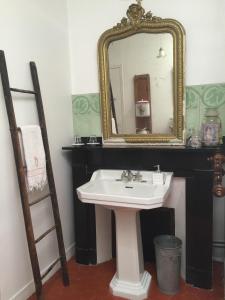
44,234
40,199
50,268
22,91
19,129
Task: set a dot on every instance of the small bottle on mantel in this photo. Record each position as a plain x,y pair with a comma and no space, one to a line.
193,139
211,128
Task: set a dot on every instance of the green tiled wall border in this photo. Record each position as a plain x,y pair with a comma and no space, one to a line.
86,114
86,108
200,97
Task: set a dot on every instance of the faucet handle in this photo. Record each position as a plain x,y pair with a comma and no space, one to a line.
130,175
137,176
126,175
123,175
158,168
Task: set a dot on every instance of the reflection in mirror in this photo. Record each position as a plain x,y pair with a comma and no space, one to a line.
141,72
141,77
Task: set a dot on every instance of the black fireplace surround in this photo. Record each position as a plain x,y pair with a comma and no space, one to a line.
192,164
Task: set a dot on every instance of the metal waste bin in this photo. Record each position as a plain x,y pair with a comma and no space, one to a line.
168,263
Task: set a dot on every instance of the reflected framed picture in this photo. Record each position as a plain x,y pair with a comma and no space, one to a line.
210,134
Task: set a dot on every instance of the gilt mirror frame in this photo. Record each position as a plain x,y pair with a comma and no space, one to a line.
138,21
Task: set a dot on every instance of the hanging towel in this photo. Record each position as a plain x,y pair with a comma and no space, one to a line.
34,155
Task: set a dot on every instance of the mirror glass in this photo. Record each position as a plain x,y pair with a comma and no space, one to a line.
141,72
141,78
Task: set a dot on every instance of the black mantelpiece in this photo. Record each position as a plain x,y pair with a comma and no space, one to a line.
192,164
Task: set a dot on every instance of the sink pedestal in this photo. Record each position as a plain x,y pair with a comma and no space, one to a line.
126,199
130,280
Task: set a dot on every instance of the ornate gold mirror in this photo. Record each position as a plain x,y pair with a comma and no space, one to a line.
141,68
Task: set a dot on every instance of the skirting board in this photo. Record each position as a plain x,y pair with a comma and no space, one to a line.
26,291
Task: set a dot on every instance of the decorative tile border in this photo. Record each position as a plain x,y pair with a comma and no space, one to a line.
86,108
86,114
200,97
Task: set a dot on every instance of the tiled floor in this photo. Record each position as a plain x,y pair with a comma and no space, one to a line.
92,283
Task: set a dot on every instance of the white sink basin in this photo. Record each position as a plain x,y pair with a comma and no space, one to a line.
126,198
106,188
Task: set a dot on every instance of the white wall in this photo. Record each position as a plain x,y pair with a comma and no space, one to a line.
202,19
34,30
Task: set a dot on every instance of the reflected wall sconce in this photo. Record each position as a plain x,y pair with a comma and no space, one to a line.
161,53
142,108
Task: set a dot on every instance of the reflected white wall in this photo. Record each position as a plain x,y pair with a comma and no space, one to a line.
138,55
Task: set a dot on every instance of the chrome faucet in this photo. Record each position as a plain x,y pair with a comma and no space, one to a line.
129,176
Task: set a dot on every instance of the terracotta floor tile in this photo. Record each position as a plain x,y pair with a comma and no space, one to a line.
92,283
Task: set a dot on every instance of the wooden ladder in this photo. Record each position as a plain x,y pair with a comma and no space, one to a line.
21,173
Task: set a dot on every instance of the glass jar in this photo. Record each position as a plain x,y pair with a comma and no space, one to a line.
194,139
211,128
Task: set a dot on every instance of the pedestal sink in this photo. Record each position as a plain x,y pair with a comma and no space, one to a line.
126,198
